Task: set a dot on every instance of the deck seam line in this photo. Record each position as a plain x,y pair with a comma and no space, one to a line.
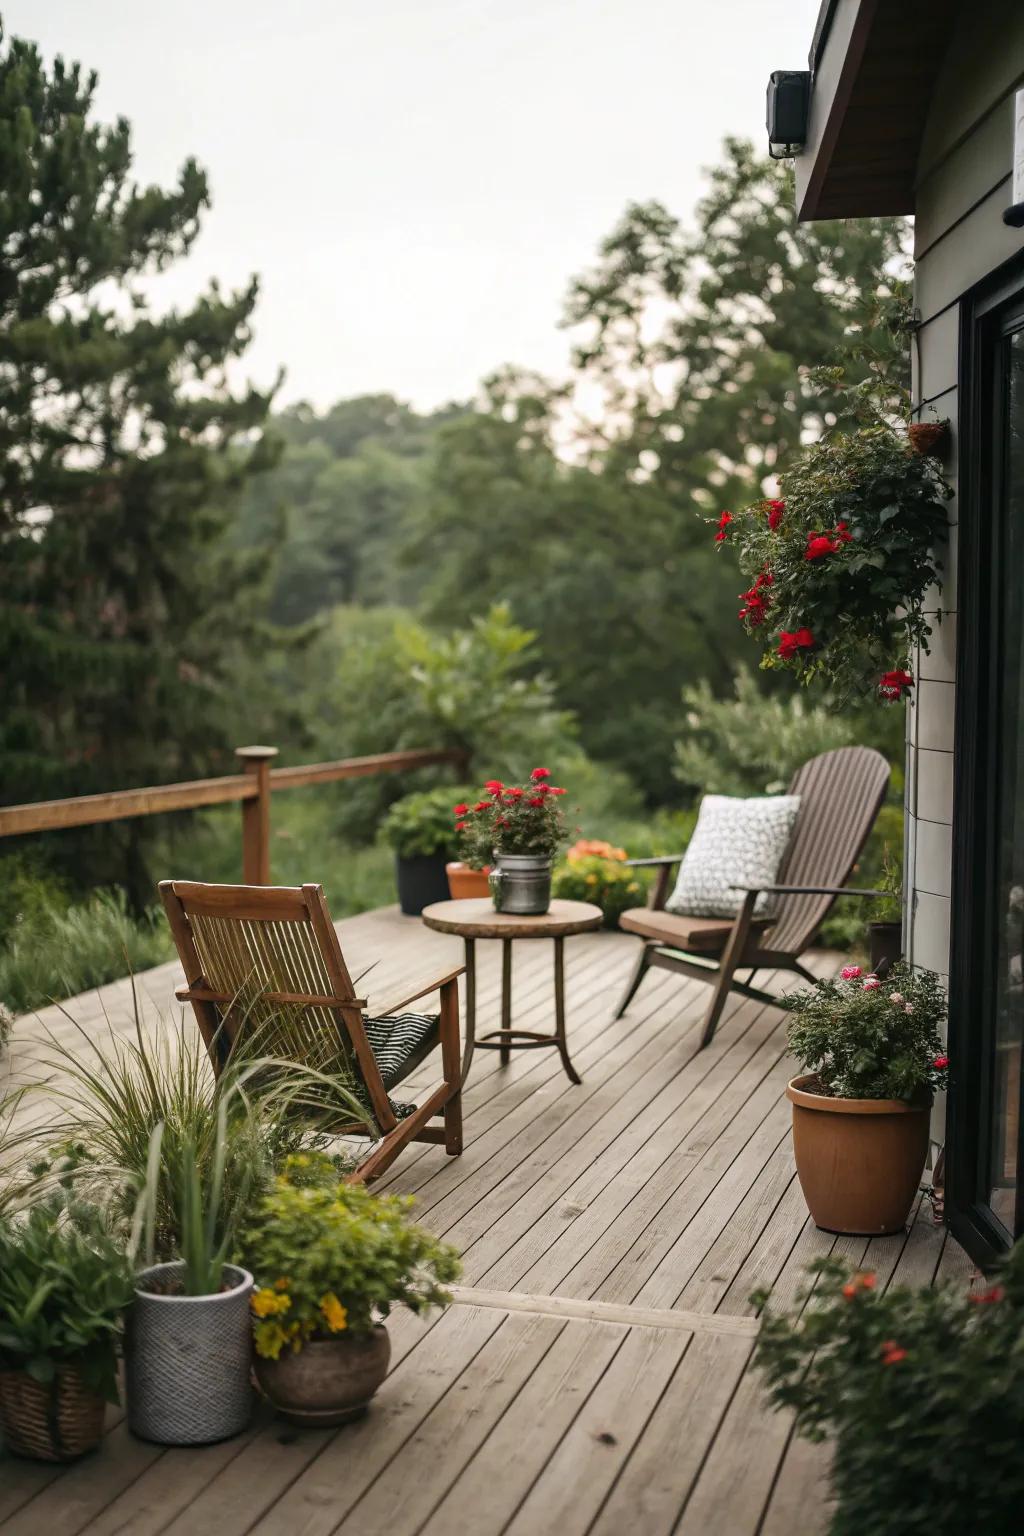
607,1312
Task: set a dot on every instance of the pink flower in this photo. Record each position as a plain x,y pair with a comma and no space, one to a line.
870,983
851,972
908,1007
895,997
940,1062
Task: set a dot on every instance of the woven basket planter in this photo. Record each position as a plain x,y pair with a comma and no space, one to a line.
58,1421
188,1360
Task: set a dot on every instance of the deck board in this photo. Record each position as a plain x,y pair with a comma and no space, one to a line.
593,1374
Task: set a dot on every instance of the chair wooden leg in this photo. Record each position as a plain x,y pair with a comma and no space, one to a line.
452,1067
731,958
639,972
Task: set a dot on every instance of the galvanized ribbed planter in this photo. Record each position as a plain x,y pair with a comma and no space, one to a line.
521,883
187,1361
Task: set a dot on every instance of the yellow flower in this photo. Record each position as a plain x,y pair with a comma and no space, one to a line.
269,1338
333,1311
263,1302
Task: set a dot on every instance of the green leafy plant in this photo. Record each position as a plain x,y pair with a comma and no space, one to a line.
867,1038
841,561
329,1256
604,881
512,818
420,825
55,950
922,1392
64,1283
889,907
206,1225
6,1025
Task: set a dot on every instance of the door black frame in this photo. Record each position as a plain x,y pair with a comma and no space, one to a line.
973,919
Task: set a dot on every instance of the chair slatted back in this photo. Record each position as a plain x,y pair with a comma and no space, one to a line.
267,959
840,796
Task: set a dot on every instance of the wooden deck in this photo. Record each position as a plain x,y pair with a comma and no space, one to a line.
593,1374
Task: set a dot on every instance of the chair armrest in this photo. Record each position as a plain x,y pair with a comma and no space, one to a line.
661,860
424,991
809,890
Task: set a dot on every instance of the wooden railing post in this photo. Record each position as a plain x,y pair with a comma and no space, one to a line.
256,815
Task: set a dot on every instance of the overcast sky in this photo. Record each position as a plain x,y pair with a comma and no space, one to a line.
417,180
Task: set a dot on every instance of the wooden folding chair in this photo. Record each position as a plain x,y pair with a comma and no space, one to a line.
840,796
267,959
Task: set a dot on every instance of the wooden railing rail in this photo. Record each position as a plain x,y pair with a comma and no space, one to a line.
253,787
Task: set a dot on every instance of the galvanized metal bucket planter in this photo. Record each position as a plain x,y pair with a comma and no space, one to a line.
188,1360
521,883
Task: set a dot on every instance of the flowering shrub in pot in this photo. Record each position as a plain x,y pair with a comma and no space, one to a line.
419,830
840,562
872,1056
596,872
64,1284
523,826
922,1392
330,1260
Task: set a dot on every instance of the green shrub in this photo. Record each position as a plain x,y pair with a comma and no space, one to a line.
605,882
423,824
330,1256
866,1038
56,951
922,1392
64,1283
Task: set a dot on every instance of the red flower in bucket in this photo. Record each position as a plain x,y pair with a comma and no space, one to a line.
895,684
792,641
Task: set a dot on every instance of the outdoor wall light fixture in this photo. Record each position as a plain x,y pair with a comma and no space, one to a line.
789,95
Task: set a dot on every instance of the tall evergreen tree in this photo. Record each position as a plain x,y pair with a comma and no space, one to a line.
122,607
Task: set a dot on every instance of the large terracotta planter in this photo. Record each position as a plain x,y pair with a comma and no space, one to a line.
465,883
329,1381
859,1161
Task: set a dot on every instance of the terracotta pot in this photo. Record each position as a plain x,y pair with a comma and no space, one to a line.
329,1381
464,882
885,942
56,1422
860,1161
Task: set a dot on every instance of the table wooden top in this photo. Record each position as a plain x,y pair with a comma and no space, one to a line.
476,919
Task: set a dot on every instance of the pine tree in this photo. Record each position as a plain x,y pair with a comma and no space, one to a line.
123,609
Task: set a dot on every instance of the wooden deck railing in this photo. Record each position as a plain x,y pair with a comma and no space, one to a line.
253,787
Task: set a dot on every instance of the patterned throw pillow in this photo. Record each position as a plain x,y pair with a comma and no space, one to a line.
735,842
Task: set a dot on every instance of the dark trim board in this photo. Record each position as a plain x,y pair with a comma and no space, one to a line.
977,724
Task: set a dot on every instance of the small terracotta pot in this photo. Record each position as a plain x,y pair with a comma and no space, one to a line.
329,1381
859,1161
464,882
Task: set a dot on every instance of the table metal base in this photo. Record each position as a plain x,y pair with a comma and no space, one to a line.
508,1039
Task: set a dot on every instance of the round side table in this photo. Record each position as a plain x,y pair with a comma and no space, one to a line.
477,919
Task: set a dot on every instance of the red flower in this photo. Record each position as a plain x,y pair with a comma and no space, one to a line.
515,794
892,1354
460,810
940,1062
791,642
864,1282
723,527
893,685
501,821
755,611
535,800
540,773
775,513
841,535
482,805
494,786
819,545
554,790
986,1298
460,826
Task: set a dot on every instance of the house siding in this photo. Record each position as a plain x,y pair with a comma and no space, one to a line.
963,186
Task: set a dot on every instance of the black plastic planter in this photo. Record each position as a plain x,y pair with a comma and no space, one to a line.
885,941
421,881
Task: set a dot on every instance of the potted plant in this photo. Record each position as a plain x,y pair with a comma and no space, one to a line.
596,872
872,1059
331,1259
522,827
64,1284
885,931
188,1342
419,830
841,561
921,1392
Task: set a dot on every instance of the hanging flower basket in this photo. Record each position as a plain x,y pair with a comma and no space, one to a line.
840,563
929,438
